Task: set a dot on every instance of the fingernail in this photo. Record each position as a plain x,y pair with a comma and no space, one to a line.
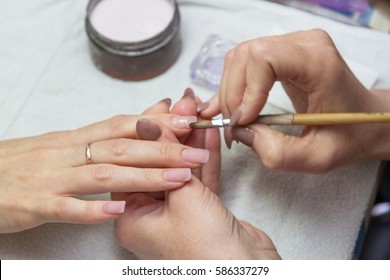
148,130
244,135
183,122
236,115
202,106
167,101
195,155
189,93
227,132
177,175
114,207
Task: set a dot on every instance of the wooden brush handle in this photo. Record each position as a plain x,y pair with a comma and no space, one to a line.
323,118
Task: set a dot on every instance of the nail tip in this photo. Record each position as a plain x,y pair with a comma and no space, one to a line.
189,93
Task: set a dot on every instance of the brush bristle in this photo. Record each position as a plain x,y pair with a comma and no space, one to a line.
201,124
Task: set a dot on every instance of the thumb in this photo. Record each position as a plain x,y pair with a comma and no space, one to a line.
192,198
280,151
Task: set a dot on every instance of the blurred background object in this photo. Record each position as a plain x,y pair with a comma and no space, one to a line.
374,14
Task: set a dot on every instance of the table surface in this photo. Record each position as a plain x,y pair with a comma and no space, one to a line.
48,82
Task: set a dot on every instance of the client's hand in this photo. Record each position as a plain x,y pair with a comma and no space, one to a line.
41,176
190,222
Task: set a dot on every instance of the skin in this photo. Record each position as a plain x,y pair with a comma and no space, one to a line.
42,176
317,80
190,222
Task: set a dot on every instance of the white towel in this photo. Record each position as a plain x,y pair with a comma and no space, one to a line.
48,82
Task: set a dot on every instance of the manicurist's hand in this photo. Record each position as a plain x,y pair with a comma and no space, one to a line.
42,176
317,80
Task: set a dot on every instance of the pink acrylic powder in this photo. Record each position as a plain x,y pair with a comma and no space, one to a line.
132,20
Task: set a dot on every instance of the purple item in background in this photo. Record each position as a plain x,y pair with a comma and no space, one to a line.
207,66
350,6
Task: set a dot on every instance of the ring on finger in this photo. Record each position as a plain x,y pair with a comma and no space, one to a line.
88,155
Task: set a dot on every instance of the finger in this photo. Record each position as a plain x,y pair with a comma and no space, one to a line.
186,106
130,152
75,211
103,178
259,63
196,139
268,62
285,152
308,38
193,197
154,130
298,96
224,85
123,126
212,168
210,108
161,107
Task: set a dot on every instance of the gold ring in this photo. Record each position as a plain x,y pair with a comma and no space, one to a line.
88,156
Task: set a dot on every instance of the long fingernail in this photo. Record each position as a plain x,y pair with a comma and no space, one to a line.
227,132
167,101
202,106
195,155
236,115
189,93
177,175
244,135
183,121
210,102
148,130
114,207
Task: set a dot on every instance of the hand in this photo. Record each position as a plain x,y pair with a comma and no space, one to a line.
42,176
190,222
317,80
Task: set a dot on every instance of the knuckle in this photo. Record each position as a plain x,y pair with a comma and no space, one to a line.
150,178
58,213
273,157
103,173
166,151
272,160
119,147
117,122
259,49
321,36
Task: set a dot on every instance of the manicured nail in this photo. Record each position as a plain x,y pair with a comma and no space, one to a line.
236,115
177,175
227,132
202,106
167,101
195,155
244,135
114,207
183,121
189,93
148,130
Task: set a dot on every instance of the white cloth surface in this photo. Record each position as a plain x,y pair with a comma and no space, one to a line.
48,82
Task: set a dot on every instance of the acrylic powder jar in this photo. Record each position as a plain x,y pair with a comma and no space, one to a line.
133,39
